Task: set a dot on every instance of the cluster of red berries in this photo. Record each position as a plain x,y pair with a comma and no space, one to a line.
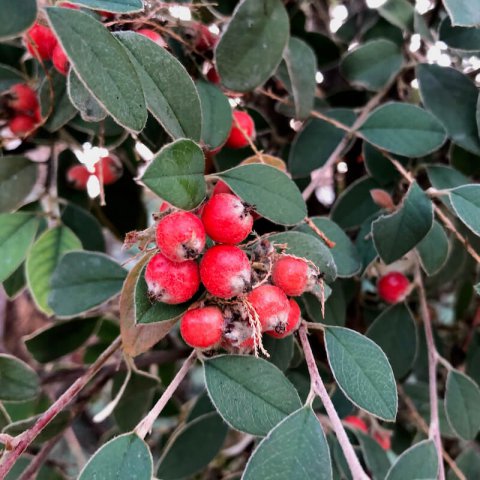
19,105
393,287
356,422
246,287
108,170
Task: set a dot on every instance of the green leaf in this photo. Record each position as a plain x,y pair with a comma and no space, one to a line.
115,6
176,174
251,47
251,394
433,249
468,462
462,404
15,283
202,438
355,204
443,177
126,457
270,191
362,371
295,449
396,234
317,140
9,77
61,110
375,456
309,247
17,178
419,462
44,473
216,115
20,16
17,232
395,333
44,346
466,203
18,381
42,260
344,252
102,65
465,13
398,12
460,38
335,307
83,280
372,64
302,67
169,91
452,97
280,350
379,166
403,129
82,99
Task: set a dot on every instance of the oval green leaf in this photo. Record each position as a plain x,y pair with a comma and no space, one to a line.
18,382
251,394
460,38
295,449
252,45
362,371
20,15
115,6
9,76
464,13
90,110
270,191
102,65
466,203
83,280
433,250
419,461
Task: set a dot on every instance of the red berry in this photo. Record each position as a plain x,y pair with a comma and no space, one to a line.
24,99
272,307
204,38
247,345
227,219
293,275
202,327
164,206
69,5
292,322
393,287
213,76
221,187
356,422
225,271
237,138
171,282
383,440
22,124
42,39
153,35
60,60
78,176
180,236
108,170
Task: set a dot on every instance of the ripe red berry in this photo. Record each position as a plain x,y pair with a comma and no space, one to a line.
78,176
383,440
60,60
293,275
292,322
202,327
171,282
42,39
225,271
356,422
22,124
153,35
180,236
69,5
23,98
393,287
108,170
272,307
213,76
238,138
221,187
204,38
227,219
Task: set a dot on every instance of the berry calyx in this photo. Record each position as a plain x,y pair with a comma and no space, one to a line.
78,176
40,41
21,124
23,98
171,282
60,60
293,275
108,170
180,236
227,219
239,137
153,35
202,327
393,287
225,271
356,422
292,322
272,307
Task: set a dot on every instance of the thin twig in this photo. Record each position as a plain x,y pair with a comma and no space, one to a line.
319,388
309,222
145,426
